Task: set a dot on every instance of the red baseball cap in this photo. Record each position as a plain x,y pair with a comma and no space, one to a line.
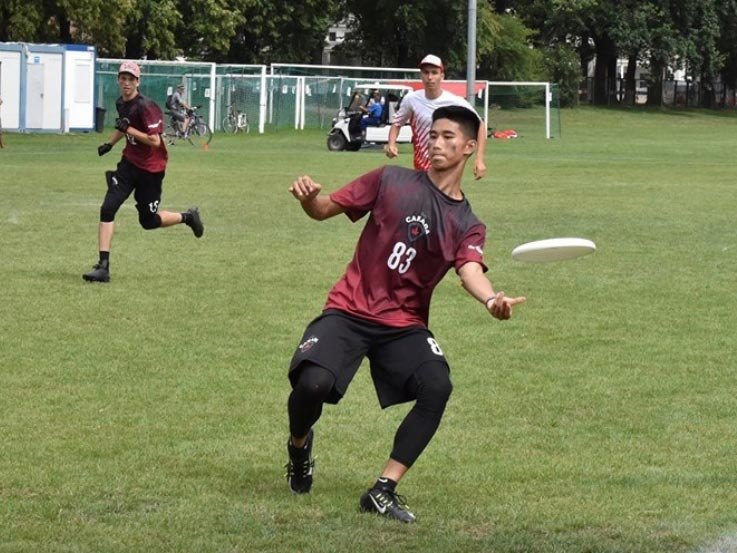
130,67
431,59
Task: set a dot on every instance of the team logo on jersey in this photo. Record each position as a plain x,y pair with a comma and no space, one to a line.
308,344
476,249
417,227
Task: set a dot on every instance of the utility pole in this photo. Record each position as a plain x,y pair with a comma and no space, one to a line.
471,53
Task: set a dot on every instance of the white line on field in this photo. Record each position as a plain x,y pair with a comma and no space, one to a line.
725,544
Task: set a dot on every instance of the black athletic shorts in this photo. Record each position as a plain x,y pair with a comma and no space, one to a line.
127,178
338,342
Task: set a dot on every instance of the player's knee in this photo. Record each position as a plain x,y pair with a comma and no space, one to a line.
150,222
108,211
147,219
106,215
434,384
315,383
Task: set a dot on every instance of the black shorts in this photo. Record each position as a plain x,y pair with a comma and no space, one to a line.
127,178
338,342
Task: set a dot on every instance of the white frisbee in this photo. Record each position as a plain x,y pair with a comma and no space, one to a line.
553,249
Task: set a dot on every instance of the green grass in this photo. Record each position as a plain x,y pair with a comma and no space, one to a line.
150,414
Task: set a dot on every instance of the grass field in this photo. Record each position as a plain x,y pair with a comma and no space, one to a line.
149,415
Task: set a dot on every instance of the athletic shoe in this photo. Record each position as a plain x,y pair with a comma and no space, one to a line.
99,273
300,465
194,222
387,504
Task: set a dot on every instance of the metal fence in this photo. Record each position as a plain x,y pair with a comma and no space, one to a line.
299,96
675,93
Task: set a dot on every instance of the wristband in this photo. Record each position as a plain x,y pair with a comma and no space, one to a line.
487,300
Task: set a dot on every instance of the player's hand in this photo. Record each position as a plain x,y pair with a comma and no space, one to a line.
305,189
122,124
102,149
391,151
479,169
501,306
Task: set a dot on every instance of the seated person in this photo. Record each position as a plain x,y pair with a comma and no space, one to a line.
356,102
179,107
373,111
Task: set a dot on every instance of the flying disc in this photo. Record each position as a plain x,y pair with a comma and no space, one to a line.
553,249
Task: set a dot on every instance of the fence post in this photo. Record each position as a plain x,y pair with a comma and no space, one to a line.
213,95
547,110
262,102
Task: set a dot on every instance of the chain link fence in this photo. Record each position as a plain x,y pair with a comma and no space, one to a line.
299,96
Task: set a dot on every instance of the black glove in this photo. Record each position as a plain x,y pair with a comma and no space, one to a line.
104,148
122,124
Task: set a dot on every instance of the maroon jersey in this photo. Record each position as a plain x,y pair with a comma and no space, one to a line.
145,116
414,235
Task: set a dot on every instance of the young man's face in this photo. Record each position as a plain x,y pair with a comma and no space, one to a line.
128,85
447,145
431,77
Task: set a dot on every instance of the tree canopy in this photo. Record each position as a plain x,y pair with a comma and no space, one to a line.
516,39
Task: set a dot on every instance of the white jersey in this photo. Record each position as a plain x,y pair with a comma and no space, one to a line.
417,108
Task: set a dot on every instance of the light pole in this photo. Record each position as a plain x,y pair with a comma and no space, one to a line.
471,53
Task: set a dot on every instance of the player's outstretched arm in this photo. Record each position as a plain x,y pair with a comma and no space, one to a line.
479,167
307,191
496,303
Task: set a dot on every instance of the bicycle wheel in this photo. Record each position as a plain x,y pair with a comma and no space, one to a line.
200,134
170,134
229,124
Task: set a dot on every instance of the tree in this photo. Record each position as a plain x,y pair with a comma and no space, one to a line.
282,31
152,28
405,34
20,20
208,27
727,14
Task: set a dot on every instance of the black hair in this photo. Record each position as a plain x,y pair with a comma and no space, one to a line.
466,119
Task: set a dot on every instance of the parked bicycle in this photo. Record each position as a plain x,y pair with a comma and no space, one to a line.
236,121
197,132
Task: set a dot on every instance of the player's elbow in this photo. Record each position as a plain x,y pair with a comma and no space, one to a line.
469,273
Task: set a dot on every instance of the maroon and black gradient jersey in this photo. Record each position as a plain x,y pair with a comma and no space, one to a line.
414,235
145,115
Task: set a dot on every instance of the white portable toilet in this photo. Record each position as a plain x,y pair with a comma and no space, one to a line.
47,87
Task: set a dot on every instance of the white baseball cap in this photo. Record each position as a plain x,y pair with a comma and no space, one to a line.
431,59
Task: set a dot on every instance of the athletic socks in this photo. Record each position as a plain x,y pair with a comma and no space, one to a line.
186,217
105,258
385,484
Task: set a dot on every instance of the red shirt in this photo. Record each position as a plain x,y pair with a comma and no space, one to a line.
145,115
414,235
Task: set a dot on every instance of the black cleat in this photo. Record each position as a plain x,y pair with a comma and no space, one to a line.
300,465
194,222
99,273
387,504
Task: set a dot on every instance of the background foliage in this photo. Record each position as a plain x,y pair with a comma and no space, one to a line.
517,39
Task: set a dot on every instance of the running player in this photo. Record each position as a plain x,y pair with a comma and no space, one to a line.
417,107
420,226
140,171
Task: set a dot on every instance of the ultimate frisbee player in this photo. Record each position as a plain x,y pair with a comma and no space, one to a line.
140,171
420,225
417,107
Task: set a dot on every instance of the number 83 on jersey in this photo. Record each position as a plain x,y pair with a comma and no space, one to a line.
401,257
